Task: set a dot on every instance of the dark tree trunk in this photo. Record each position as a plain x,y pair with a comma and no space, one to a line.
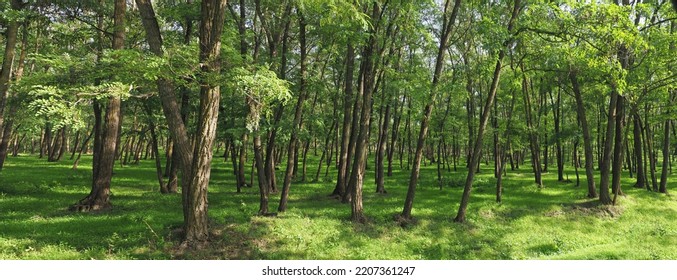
619,138
448,22
11,32
533,134
381,150
587,140
99,197
9,124
346,133
637,140
156,150
291,152
361,123
604,196
460,216
666,148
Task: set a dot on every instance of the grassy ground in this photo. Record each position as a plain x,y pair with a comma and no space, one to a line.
555,222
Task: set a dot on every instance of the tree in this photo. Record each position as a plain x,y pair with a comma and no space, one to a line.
477,149
448,21
99,197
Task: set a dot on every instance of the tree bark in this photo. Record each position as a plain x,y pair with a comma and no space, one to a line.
298,112
449,18
99,197
587,140
460,216
604,196
11,31
666,148
346,132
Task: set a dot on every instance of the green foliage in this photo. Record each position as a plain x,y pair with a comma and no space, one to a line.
260,85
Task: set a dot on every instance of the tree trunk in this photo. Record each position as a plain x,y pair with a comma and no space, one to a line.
604,196
197,224
12,28
533,134
460,216
447,24
637,139
619,138
291,151
666,148
346,132
587,140
99,197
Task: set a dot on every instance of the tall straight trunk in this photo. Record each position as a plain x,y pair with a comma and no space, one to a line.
666,148
298,112
361,122
381,151
264,189
604,196
9,124
346,132
449,19
394,138
11,34
533,134
557,118
637,140
195,207
274,41
194,184
460,216
156,150
83,149
617,165
242,159
99,197
501,151
587,140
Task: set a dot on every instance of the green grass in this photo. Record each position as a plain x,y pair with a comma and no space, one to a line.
555,222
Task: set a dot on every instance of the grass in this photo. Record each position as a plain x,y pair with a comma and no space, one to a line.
555,222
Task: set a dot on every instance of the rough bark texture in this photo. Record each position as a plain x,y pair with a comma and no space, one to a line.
211,26
99,197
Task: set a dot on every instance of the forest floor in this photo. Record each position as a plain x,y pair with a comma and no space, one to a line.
554,222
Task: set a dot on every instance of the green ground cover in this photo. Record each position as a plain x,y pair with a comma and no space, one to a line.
555,222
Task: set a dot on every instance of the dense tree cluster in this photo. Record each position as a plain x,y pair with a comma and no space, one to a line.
382,84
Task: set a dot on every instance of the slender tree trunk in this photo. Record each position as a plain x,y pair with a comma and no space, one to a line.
619,138
9,124
604,196
448,22
533,134
587,140
666,148
291,154
346,133
460,216
11,32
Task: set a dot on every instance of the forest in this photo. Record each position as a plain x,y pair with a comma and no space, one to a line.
338,129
